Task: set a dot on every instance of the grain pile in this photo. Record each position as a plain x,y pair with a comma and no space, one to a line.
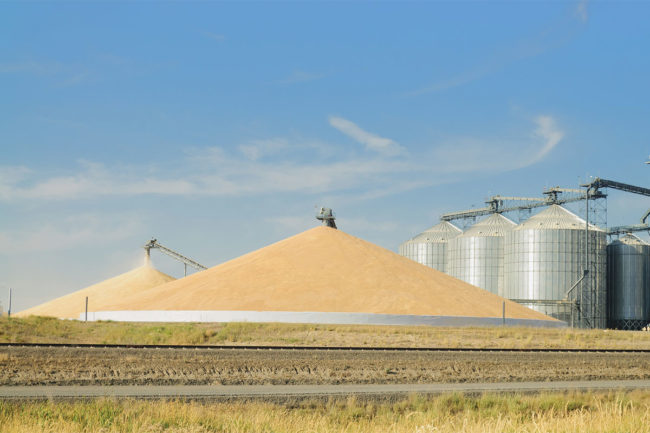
101,295
324,270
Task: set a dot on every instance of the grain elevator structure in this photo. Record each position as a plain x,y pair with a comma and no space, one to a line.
431,247
628,260
476,256
544,258
555,261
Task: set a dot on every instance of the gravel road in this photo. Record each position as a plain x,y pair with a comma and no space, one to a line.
302,391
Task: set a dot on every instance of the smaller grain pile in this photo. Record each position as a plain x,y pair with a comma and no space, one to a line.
102,295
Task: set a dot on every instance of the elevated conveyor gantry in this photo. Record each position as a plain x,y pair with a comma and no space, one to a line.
501,204
326,215
595,185
153,243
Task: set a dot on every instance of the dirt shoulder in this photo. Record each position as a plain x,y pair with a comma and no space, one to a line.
88,366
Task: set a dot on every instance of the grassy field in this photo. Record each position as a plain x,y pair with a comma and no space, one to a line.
41,329
612,412
452,413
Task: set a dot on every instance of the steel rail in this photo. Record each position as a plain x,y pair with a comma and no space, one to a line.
318,348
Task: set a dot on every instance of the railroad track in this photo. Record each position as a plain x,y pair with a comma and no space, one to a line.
317,348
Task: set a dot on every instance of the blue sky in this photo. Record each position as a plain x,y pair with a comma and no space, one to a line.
218,127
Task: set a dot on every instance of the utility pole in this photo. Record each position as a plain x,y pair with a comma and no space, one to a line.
9,310
586,282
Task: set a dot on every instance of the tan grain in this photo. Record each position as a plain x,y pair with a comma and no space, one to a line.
324,270
100,295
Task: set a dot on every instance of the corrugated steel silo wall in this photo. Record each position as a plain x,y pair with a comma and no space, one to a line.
544,264
628,285
431,254
478,261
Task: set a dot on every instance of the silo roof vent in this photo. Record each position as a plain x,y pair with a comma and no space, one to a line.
555,217
494,225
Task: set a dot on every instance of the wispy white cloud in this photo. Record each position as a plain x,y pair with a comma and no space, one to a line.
581,10
13,173
218,174
556,34
549,135
10,178
382,145
237,177
472,154
257,149
281,166
67,74
71,232
77,78
92,180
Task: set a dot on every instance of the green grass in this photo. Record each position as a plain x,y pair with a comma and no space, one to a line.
51,330
617,412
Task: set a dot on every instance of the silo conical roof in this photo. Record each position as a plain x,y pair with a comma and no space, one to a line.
630,239
555,217
494,225
325,270
101,295
441,232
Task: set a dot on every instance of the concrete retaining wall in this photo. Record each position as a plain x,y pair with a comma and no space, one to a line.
312,317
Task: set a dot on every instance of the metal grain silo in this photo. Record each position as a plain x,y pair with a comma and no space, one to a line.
628,278
544,260
430,247
476,256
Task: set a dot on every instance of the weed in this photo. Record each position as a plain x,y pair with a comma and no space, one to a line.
449,413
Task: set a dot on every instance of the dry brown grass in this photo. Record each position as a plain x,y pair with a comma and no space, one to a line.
40,329
450,413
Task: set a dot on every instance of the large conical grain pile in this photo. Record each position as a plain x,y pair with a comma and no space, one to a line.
102,295
324,270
